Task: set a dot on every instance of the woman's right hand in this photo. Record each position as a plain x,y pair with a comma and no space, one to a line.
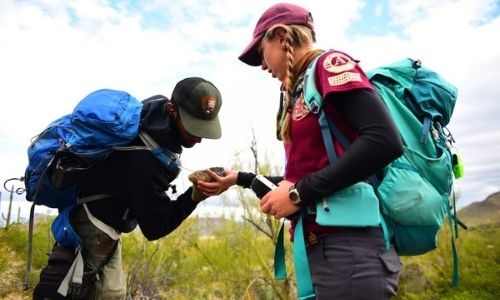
277,202
220,183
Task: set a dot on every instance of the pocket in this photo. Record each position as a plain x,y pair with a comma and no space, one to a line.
408,198
63,231
437,171
67,165
355,206
104,244
49,195
391,261
393,266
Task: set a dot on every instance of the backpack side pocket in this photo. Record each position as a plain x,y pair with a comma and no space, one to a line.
63,231
354,206
412,206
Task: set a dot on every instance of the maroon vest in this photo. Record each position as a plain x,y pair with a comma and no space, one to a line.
306,153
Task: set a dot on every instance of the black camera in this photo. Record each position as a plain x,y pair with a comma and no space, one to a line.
261,186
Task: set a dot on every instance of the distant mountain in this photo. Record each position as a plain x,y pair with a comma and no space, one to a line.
483,212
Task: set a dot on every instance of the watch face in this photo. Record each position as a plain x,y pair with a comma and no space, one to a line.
294,195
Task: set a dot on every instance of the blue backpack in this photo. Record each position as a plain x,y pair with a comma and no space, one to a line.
104,121
415,190
101,121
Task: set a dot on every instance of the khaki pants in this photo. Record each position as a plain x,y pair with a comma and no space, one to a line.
110,283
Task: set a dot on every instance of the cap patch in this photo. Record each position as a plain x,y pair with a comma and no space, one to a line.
208,104
337,63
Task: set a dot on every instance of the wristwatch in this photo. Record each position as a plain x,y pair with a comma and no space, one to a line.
294,196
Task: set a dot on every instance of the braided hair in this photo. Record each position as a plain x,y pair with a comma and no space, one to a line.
295,36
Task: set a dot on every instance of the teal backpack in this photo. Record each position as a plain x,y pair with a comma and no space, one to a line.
415,190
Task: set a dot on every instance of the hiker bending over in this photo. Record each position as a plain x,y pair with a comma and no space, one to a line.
345,262
135,182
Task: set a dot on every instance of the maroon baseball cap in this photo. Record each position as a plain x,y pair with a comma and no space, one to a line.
281,13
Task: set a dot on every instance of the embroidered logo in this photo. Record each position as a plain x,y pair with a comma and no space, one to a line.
344,78
337,63
208,104
300,109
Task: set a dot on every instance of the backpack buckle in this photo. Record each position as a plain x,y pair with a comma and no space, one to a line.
314,107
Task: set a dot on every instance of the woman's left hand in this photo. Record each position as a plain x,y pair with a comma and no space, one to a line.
277,203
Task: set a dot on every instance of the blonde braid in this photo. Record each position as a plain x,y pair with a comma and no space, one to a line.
287,86
295,36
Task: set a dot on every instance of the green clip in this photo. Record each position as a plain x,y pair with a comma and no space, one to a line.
458,166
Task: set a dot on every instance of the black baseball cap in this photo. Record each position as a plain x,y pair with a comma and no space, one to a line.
198,102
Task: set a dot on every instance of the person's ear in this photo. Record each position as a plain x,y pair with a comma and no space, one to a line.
171,109
280,33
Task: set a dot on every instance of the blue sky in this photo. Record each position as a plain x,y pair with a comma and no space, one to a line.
54,52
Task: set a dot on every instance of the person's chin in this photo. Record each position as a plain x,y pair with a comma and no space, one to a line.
189,145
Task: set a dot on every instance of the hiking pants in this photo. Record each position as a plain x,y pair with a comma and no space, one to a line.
352,263
110,283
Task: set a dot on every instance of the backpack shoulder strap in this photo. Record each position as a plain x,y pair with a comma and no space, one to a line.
312,98
167,157
314,101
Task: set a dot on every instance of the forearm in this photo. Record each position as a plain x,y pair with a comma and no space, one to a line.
244,179
159,221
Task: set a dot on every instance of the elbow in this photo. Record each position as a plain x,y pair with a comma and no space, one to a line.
151,236
157,234
391,147
397,147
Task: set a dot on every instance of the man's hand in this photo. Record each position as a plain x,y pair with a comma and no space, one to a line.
205,176
220,183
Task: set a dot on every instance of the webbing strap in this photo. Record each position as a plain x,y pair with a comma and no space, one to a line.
338,134
279,254
29,254
74,275
311,96
454,235
327,138
455,218
305,288
385,231
31,226
148,141
454,277
426,127
95,197
302,272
